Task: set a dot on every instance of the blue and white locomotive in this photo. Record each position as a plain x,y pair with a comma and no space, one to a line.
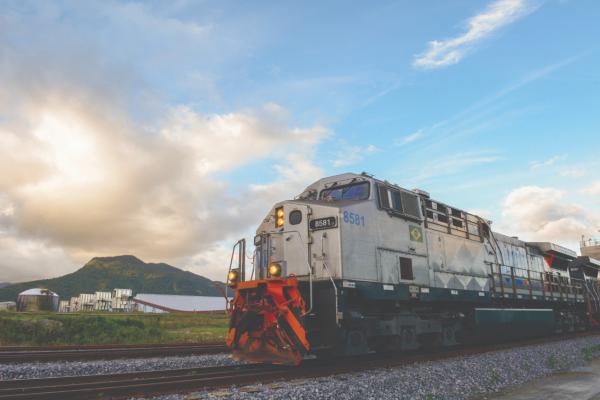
355,264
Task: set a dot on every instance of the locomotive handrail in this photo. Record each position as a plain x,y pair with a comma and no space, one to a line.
593,294
241,245
335,290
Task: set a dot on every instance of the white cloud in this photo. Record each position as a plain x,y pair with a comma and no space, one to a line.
80,178
29,259
547,163
86,185
382,93
349,154
481,212
453,164
593,189
95,162
542,214
409,138
576,171
203,263
489,112
222,142
450,51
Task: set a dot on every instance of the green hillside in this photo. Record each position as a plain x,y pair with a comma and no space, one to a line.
107,273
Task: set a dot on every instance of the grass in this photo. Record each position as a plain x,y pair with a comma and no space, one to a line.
591,352
107,328
553,362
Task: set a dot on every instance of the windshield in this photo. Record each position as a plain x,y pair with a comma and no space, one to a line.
355,191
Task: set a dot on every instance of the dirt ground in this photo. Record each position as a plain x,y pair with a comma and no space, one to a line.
580,384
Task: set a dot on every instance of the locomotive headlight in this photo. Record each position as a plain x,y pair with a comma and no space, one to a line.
232,276
279,217
275,270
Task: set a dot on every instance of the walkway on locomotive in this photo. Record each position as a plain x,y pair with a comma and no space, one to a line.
356,229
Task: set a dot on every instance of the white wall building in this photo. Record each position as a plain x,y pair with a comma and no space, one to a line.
8,306
87,301
159,303
122,300
103,301
64,306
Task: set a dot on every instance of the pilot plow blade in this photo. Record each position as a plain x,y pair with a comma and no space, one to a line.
265,323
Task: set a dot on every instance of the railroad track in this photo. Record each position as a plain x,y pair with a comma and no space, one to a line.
120,385
59,353
183,380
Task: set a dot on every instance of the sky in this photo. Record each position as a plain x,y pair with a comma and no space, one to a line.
167,130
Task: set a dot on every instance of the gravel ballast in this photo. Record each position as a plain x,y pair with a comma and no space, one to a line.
98,367
455,378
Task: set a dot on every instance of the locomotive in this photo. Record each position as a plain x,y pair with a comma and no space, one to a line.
355,265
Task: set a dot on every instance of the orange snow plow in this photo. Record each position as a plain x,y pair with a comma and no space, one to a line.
265,321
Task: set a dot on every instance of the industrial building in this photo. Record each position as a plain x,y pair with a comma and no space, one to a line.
103,301
87,301
63,306
73,304
37,299
119,300
161,303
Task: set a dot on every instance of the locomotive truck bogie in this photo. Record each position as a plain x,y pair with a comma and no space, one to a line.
369,266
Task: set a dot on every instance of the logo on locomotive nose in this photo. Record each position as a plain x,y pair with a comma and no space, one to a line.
416,234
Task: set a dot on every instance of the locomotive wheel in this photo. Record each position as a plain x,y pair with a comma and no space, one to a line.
355,343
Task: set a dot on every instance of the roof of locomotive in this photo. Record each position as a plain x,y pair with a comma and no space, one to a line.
331,203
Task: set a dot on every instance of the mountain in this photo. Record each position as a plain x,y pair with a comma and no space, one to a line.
127,272
4,284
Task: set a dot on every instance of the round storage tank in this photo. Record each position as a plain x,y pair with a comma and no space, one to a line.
37,300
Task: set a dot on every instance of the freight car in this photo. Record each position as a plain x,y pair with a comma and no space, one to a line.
355,264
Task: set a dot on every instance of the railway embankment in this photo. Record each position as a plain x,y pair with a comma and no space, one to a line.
476,376
474,372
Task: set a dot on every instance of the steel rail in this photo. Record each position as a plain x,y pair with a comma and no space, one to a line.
30,354
171,381
100,386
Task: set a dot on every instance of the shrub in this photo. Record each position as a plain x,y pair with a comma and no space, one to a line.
78,330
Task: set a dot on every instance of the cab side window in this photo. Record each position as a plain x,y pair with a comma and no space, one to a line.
398,202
